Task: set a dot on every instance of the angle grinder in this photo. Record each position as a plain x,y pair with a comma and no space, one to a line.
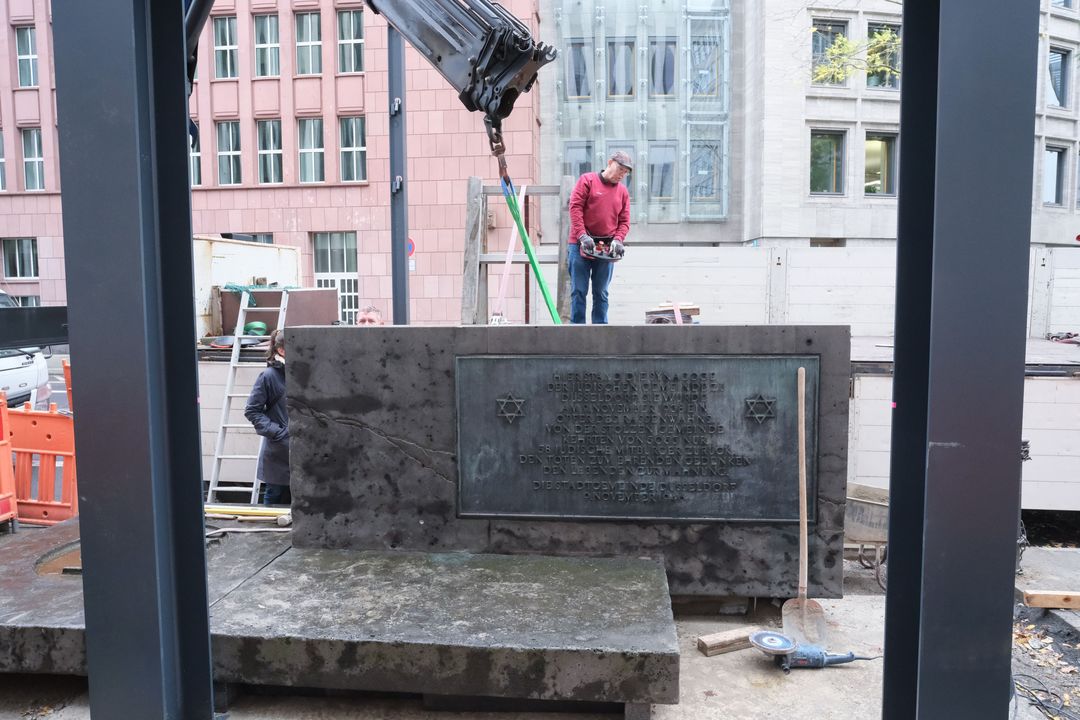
789,654
601,250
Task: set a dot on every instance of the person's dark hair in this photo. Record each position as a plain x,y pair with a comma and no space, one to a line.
277,342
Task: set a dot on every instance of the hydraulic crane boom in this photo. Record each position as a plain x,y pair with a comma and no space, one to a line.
482,51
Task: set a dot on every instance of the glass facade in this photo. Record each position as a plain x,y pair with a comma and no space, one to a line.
654,81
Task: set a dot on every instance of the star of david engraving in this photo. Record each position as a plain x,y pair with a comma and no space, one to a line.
760,408
510,408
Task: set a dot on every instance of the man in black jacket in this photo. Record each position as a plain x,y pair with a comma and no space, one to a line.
267,411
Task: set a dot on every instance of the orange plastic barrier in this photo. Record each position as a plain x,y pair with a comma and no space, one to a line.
67,382
48,438
8,506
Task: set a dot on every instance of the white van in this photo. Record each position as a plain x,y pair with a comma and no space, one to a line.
24,374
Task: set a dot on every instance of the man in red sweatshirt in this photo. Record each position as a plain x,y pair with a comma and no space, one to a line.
599,208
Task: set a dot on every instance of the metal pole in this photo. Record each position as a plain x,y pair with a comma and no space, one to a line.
399,194
120,73
963,247
914,272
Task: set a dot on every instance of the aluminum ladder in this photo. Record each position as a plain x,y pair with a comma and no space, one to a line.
227,424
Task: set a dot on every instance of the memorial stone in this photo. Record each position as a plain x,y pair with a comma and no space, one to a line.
678,443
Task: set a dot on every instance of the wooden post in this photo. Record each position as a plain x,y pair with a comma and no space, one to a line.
475,220
562,299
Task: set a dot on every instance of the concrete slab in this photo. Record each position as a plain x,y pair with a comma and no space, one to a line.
579,629
453,624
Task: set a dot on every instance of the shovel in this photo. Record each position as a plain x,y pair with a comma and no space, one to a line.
803,619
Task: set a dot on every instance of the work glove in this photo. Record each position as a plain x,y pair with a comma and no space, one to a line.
588,245
617,249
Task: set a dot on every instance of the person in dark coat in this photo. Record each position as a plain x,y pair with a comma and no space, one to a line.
266,410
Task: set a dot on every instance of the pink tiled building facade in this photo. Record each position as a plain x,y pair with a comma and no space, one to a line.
291,104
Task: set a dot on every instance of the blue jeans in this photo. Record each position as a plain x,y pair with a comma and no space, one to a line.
581,271
277,494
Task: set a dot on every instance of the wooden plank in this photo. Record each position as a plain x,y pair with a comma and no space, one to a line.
518,258
726,641
562,292
530,190
470,290
1052,599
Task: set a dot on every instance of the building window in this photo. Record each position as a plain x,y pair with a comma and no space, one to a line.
826,162
26,50
27,300
264,238
880,169
228,146
311,151
335,267
577,158
20,258
308,44
269,151
33,159
3,164
1059,77
578,70
1061,3
621,68
195,160
353,144
706,163
883,44
1053,176
661,168
662,67
226,50
350,35
825,33
705,57
267,46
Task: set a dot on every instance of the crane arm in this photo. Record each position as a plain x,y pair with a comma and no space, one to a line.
486,54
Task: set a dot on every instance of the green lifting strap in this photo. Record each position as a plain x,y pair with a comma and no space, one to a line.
515,212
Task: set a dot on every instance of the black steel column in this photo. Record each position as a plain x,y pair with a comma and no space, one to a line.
399,194
914,272
120,71
964,238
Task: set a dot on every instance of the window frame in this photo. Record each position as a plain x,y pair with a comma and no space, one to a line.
231,154
350,43
815,56
3,163
717,171
16,242
1060,154
271,49
590,154
654,42
838,172
612,43
587,57
315,152
890,175
30,58
653,146
312,49
229,51
37,161
276,155
1066,78
889,84
357,151
195,162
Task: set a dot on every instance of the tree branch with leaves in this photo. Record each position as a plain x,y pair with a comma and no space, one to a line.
878,57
